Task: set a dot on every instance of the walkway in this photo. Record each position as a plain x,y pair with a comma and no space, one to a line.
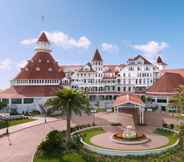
37,121
21,146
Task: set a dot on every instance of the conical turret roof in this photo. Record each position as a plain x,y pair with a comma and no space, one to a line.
97,56
43,38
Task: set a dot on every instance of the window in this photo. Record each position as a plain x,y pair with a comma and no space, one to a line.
129,89
118,88
16,101
131,68
161,100
124,89
28,100
5,100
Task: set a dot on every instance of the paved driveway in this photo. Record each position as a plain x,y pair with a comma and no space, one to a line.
24,143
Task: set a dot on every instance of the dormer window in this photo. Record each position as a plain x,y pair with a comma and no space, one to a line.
37,69
26,69
49,69
39,60
48,61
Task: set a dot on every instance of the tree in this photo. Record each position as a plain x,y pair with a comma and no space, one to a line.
177,101
69,101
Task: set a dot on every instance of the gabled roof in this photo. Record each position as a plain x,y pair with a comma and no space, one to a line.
140,56
160,61
166,85
128,98
43,38
97,56
41,66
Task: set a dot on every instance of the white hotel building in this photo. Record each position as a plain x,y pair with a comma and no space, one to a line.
42,76
104,82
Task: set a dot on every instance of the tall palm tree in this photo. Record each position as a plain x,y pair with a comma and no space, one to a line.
69,101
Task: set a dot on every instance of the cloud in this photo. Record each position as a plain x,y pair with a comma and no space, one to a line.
63,40
107,47
5,64
28,41
150,49
21,64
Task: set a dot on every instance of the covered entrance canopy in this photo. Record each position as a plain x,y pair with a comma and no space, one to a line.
130,101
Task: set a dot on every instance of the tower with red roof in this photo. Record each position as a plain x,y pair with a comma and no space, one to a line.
39,79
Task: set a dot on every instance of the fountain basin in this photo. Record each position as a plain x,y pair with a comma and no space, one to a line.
129,136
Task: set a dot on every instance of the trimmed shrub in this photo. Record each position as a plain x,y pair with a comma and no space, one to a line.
171,126
54,143
75,143
165,125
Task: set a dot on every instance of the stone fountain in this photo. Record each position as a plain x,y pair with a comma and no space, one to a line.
129,135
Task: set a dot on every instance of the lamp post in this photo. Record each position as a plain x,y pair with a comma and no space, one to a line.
44,112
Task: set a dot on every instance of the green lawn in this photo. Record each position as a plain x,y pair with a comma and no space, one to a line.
19,121
90,133
3,124
69,157
171,136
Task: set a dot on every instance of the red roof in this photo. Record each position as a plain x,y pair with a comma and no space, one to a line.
41,66
29,91
128,98
177,71
97,56
159,61
166,85
43,38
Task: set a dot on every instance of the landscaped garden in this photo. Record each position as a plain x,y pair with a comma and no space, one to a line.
63,146
54,149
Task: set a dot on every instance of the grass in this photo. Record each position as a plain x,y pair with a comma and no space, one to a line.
88,134
68,157
170,135
19,121
3,124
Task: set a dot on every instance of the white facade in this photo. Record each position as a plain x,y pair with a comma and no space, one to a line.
104,83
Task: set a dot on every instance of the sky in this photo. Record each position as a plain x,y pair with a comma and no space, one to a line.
118,28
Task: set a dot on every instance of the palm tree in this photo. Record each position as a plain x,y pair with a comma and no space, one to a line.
69,101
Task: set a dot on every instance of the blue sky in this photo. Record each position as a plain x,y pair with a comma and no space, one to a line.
119,28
